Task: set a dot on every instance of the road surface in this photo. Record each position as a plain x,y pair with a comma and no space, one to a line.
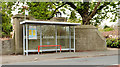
101,60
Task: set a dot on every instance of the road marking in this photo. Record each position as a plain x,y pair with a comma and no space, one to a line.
115,64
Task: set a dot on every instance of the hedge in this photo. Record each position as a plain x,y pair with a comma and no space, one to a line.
113,43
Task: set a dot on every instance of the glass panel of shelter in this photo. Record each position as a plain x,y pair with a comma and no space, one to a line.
48,36
72,37
63,36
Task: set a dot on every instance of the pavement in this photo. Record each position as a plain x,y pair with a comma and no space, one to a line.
12,59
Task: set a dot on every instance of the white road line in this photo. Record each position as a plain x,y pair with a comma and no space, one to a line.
114,64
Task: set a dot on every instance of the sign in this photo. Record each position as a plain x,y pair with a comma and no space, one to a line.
26,12
32,32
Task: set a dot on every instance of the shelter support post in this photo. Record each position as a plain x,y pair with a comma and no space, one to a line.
26,39
69,38
40,38
56,37
74,37
23,39
39,44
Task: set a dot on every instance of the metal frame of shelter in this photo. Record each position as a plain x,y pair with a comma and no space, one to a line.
26,35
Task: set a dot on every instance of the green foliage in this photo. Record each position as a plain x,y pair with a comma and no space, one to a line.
75,20
6,25
72,15
101,30
113,43
106,26
104,13
7,7
108,29
41,10
6,20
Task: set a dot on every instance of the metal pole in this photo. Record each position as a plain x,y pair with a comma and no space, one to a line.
23,39
41,38
26,40
56,37
74,38
69,38
38,47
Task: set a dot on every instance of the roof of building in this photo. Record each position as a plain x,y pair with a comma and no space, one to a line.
49,23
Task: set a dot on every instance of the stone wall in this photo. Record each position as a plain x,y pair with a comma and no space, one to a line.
59,19
0,47
89,38
19,32
7,46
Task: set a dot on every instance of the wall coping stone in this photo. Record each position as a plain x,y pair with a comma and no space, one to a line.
3,39
20,16
86,26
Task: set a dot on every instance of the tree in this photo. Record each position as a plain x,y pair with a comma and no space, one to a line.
91,13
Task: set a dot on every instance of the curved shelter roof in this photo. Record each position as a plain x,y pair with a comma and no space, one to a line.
49,23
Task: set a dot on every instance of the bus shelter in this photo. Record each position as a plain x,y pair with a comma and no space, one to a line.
37,33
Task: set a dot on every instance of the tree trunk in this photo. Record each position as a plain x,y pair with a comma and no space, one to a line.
85,20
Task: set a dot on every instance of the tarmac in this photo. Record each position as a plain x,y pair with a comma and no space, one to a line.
9,59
